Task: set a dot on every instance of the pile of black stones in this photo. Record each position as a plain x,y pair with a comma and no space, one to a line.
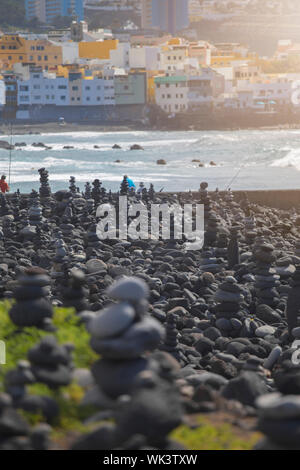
181,327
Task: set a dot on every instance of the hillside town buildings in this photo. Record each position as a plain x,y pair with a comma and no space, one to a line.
75,72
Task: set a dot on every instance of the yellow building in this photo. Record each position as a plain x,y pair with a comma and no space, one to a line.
151,85
12,50
16,49
97,49
43,53
222,60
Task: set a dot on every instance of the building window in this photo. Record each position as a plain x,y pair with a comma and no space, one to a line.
20,57
88,98
87,87
9,57
63,98
75,88
45,57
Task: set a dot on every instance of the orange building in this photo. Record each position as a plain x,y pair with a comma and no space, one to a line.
43,53
15,49
97,49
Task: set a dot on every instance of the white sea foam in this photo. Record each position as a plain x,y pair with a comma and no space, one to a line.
291,160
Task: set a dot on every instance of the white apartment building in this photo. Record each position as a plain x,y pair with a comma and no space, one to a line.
146,57
173,58
181,93
119,57
171,93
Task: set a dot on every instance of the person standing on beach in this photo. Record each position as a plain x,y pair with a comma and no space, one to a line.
3,185
131,184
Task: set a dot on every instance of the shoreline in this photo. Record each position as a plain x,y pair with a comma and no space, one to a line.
55,128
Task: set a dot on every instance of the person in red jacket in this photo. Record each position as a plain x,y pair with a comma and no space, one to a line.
3,184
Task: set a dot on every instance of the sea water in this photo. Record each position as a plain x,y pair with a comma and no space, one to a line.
247,159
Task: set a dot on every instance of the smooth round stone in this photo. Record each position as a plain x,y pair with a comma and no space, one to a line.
230,279
248,278
207,378
273,357
264,330
285,270
277,406
286,432
31,292
58,376
112,321
117,378
95,265
222,296
227,358
129,288
142,336
236,324
40,280
31,312
296,332
223,324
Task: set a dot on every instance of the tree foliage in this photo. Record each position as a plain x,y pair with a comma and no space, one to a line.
12,13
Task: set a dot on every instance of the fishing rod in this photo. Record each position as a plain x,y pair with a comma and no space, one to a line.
235,176
10,153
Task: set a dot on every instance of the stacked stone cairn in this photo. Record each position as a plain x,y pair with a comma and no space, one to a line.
233,251
76,293
45,190
229,297
121,334
72,185
88,191
250,231
96,191
124,189
51,363
32,307
266,279
35,213
279,421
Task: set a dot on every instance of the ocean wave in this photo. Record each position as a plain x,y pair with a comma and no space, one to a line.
291,160
82,177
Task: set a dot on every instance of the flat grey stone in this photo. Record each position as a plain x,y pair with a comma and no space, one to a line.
129,288
112,321
264,330
277,406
